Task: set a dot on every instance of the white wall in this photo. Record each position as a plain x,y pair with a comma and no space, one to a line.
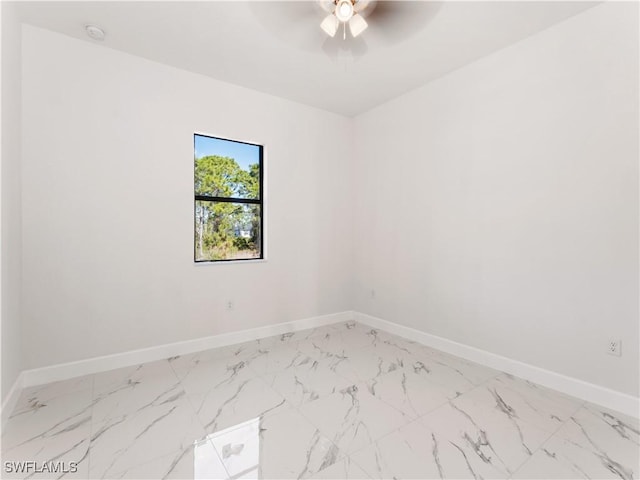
108,207
498,205
11,251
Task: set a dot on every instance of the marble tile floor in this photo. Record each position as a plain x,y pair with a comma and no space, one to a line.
342,401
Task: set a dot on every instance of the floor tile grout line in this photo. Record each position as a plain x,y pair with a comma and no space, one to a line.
483,384
359,466
573,412
338,458
297,409
546,441
549,438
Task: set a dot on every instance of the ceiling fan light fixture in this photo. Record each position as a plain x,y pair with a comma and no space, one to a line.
357,25
344,10
330,25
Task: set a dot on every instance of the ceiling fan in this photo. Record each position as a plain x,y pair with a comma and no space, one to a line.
343,12
387,22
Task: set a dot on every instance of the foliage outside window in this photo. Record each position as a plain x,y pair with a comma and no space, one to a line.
228,199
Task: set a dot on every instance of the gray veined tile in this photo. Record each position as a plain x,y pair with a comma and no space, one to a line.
50,426
526,406
308,382
277,359
339,342
353,418
416,452
542,401
360,338
394,343
281,445
110,380
473,372
227,356
126,390
565,458
591,444
292,338
395,352
35,397
456,374
289,339
606,426
624,424
242,398
328,344
545,464
165,424
57,431
202,377
368,363
410,393
344,469
47,420
493,437
198,462
66,457
349,325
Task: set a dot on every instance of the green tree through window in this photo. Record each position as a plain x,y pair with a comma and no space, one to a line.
228,199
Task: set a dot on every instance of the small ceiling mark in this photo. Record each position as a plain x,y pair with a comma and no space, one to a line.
95,32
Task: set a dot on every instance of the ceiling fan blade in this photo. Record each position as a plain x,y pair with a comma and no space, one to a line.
327,5
294,22
394,21
282,12
361,5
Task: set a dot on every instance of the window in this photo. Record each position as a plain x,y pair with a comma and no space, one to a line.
228,200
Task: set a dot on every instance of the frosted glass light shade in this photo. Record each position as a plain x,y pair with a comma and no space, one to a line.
344,10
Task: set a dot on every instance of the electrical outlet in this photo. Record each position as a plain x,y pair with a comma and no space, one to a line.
614,347
372,293
230,305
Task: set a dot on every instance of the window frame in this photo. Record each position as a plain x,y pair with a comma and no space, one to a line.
250,201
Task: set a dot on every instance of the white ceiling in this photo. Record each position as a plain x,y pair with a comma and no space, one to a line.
259,46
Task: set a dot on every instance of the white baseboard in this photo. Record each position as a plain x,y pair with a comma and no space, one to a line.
591,392
64,371
597,394
11,399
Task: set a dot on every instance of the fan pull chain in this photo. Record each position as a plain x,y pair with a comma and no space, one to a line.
344,31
